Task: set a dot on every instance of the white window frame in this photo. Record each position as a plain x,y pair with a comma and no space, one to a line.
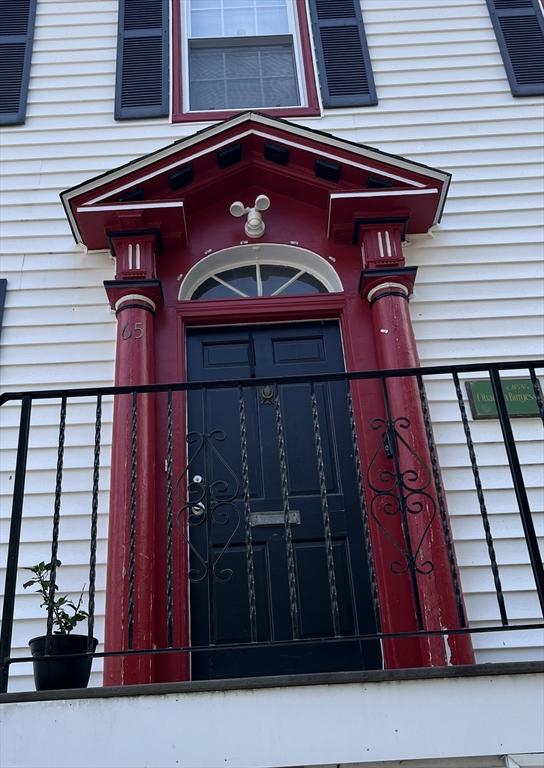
294,32
267,253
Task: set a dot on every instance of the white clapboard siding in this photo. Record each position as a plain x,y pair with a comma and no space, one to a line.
444,100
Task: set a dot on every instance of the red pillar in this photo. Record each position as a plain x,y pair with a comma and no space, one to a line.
387,285
129,620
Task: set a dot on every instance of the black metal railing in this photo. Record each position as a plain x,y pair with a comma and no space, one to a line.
344,458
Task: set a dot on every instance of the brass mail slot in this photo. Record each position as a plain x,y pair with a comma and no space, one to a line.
273,518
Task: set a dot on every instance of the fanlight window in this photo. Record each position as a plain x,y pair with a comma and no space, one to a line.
258,280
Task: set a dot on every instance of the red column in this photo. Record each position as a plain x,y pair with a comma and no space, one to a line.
387,286
131,539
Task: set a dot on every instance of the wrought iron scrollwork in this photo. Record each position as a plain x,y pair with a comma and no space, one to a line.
210,502
401,492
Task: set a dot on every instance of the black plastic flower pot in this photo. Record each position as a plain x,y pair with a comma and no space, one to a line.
52,674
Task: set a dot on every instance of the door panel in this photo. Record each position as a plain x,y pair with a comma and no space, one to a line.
219,529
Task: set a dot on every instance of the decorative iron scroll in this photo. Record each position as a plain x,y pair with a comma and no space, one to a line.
401,492
210,502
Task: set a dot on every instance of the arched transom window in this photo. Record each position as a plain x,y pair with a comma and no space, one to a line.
255,271
258,280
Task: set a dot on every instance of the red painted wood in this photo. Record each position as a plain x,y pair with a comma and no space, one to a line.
396,348
311,110
135,256
381,245
213,229
135,364
355,326
397,613
212,184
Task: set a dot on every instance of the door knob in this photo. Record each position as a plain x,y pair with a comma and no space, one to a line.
198,509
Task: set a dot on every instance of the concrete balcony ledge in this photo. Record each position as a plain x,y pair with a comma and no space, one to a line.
481,712
280,681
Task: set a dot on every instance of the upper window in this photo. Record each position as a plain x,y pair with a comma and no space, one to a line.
233,55
242,54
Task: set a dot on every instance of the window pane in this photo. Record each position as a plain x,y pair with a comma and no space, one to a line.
272,21
244,93
304,285
242,63
280,92
238,18
208,96
211,289
205,23
243,278
207,64
247,4
239,77
207,79
278,61
239,23
273,277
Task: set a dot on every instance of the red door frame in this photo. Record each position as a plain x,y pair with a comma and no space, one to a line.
396,601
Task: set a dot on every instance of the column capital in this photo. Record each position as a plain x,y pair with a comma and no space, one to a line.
136,253
144,294
377,283
381,241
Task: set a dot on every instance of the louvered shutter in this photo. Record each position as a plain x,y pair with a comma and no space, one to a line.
345,71
16,34
519,27
142,59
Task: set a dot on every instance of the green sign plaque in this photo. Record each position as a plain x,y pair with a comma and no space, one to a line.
518,393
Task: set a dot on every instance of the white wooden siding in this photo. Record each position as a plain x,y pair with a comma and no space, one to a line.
444,100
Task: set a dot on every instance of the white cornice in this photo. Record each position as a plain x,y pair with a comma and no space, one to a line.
289,130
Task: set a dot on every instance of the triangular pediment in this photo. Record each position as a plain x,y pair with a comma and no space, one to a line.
347,181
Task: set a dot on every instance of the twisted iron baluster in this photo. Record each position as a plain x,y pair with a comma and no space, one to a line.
364,512
132,534
390,435
325,515
481,500
250,566
169,526
439,488
538,392
94,520
291,569
56,524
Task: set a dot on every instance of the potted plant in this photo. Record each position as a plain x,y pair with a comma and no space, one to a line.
52,674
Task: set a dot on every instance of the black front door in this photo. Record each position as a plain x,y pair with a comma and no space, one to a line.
276,540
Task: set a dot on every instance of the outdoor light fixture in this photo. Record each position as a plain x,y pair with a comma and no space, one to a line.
254,226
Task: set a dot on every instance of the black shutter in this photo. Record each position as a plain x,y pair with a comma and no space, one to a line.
141,88
16,33
519,27
344,65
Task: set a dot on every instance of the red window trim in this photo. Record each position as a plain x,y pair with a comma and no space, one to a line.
311,110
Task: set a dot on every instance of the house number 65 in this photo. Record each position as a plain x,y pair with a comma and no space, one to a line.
136,331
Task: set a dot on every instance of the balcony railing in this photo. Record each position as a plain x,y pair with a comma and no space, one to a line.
285,510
